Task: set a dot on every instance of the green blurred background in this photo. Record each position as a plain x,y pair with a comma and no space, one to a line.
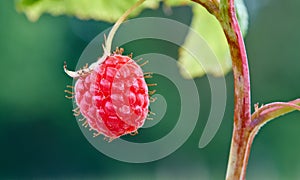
40,138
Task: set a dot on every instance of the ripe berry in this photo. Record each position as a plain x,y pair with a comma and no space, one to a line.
112,96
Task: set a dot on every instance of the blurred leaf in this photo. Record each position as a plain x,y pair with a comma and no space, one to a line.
211,32
209,29
242,15
105,10
176,2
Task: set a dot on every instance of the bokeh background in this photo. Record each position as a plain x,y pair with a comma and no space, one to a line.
40,138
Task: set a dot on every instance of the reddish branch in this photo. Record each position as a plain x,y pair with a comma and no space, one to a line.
273,110
225,13
241,140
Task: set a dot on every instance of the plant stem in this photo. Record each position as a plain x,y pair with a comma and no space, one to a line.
212,6
239,153
242,135
273,110
112,32
108,42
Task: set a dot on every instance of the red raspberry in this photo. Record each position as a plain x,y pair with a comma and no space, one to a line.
113,97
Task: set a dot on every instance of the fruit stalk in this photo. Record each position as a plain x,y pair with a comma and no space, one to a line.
108,43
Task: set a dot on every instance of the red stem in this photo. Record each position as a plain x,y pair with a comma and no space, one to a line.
240,148
240,68
238,159
272,111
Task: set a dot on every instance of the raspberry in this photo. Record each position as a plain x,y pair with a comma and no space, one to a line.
112,96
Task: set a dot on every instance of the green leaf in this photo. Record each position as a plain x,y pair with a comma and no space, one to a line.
105,10
216,60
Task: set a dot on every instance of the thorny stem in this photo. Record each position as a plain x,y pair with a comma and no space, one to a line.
245,126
